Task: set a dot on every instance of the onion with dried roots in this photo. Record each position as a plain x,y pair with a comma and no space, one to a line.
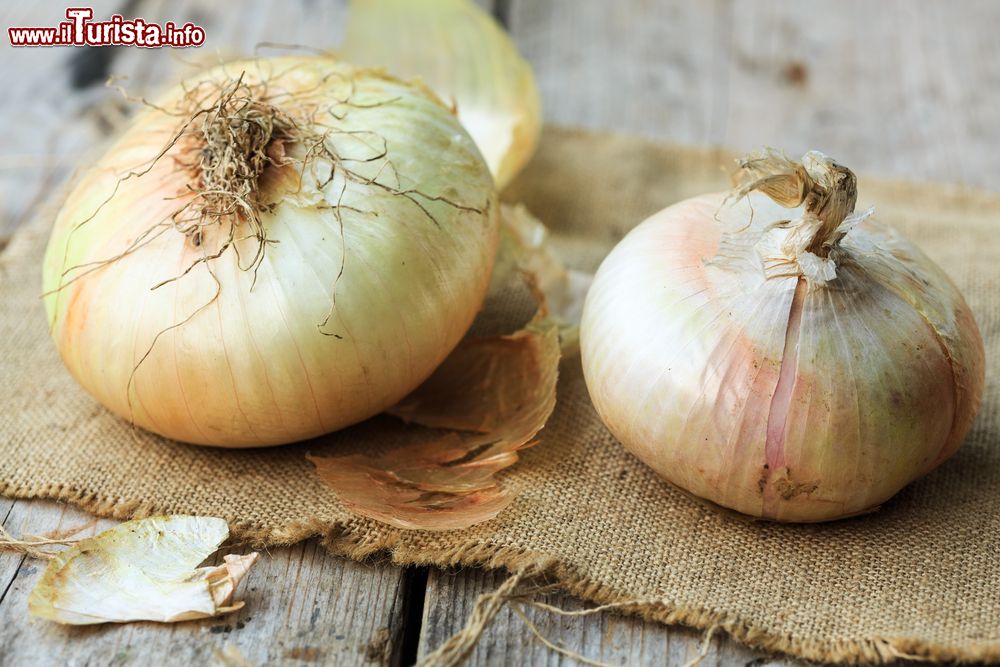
276,249
778,354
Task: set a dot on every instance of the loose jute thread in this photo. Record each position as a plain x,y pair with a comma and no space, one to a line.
31,545
457,648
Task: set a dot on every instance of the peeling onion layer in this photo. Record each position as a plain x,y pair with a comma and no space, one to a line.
142,570
488,400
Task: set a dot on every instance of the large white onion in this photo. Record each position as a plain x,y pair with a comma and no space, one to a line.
237,353
781,369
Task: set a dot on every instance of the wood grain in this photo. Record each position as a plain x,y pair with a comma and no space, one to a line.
898,88
302,606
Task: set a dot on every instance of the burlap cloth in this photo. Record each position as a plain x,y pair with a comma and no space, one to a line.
920,577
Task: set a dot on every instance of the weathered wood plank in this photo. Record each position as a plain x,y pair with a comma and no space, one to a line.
904,89
606,637
302,606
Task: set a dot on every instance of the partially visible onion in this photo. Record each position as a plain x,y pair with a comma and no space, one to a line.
778,354
310,246
464,55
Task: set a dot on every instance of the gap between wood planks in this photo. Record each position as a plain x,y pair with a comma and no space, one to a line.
414,595
6,515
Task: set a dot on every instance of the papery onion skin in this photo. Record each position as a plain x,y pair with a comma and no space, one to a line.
683,358
279,362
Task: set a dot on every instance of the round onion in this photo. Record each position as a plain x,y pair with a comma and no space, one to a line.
311,245
777,354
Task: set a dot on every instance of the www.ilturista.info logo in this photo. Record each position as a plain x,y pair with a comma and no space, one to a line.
79,30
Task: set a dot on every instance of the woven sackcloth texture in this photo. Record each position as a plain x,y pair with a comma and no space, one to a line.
919,577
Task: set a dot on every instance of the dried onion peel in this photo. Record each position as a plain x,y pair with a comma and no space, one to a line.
493,395
777,353
488,400
142,570
525,250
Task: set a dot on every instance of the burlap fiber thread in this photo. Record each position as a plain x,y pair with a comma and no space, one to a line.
920,577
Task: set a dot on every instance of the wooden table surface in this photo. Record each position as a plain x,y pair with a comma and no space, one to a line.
898,89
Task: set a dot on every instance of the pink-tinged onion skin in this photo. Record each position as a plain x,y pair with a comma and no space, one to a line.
882,376
257,367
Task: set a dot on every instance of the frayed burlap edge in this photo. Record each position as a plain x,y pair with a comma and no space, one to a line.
341,540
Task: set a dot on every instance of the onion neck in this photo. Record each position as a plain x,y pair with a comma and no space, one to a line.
826,189
831,197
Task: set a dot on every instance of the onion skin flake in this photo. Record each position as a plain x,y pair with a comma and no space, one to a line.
142,570
496,393
487,400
